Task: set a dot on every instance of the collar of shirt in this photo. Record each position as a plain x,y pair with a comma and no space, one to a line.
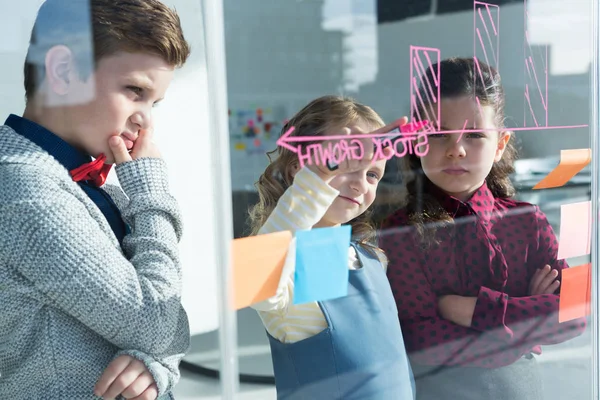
480,204
70,158
62,151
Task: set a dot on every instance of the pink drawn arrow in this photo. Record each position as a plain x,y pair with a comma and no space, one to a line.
286,139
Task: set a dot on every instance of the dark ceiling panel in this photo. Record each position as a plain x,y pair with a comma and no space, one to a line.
397,10
449,6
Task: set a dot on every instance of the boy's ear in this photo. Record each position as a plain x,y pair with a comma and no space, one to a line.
60,66
64,86
502,143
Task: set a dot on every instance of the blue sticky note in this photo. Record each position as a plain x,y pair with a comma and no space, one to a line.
321,264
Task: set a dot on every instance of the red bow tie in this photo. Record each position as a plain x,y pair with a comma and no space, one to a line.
95,171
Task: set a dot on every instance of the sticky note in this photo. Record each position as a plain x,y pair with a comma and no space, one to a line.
575,230
575,293
257,262
321,264
571,162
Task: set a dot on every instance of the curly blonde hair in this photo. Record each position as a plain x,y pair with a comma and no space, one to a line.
324,114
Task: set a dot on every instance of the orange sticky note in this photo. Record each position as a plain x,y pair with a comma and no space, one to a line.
571,162
257,264
575,293
575,230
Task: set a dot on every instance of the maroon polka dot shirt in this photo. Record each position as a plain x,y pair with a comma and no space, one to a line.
491,253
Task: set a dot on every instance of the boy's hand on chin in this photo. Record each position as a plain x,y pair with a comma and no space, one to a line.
144,146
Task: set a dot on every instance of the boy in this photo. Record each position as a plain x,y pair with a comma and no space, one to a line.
91,291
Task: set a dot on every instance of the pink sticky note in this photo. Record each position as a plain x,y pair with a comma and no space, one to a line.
575,230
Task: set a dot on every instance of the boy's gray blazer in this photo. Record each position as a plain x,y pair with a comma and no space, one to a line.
71,298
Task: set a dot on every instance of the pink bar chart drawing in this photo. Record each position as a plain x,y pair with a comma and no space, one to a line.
486,34
486,38
425,93
425,103
536,81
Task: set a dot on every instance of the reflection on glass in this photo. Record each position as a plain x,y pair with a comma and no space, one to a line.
474,272
69,27
541,108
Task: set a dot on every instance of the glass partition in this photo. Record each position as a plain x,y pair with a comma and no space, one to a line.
465,260
451,254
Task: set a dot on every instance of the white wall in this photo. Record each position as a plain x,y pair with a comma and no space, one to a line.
182,124
181,132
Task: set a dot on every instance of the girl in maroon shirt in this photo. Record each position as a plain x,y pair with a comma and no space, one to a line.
474,273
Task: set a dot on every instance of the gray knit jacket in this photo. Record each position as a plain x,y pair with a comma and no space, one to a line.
71,298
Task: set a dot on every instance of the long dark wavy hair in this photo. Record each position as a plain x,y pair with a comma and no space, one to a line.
458,77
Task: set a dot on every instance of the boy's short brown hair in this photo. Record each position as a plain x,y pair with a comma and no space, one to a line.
94,29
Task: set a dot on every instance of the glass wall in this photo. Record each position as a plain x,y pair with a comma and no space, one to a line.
448,255
458,260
